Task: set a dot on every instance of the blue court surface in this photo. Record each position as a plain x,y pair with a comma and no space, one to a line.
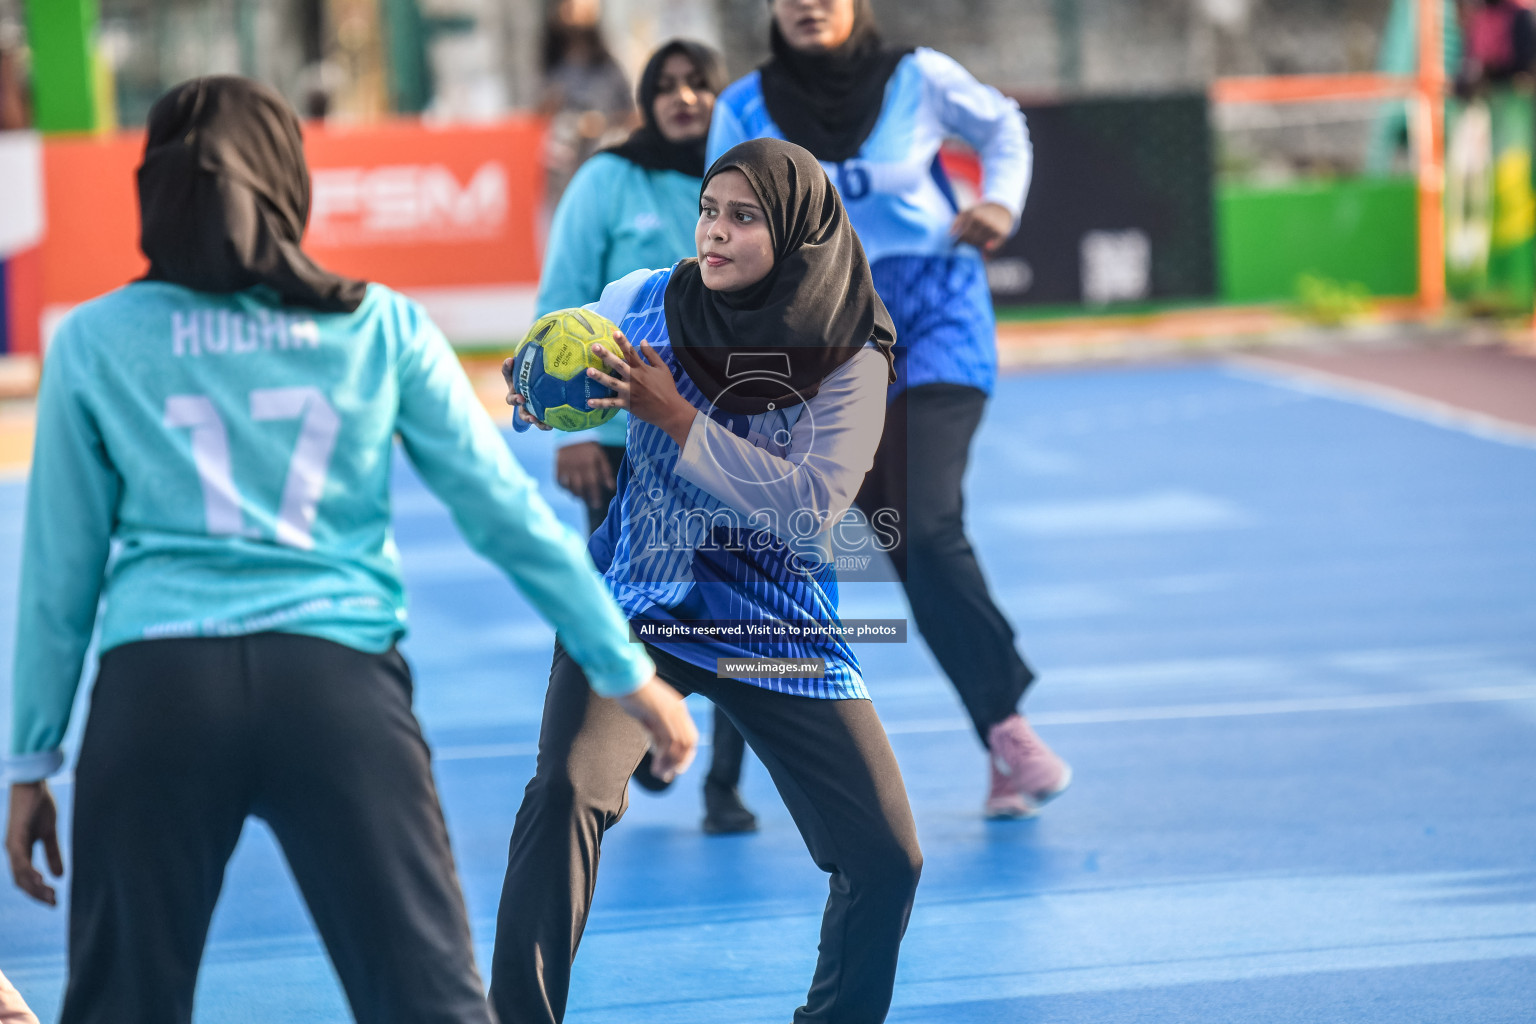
1287,641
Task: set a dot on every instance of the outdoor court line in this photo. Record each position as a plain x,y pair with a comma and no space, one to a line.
917,995
769,1001
1322,383
1110,716
1216,969
1100,716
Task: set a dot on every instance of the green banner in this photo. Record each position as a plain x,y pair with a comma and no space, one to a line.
68,94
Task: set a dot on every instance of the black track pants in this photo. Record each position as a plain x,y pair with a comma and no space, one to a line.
188,737
833,766
918,472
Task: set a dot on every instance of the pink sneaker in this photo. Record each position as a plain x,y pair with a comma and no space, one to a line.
1026,773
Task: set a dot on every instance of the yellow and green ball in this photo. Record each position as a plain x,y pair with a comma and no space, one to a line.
549,368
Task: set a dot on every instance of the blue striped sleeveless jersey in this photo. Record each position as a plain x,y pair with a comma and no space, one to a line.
672,552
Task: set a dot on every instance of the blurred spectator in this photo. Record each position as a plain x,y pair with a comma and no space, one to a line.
1500,43
586,96
15,105
319,83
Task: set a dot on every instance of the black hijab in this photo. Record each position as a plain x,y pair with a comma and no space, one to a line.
646,147
829,102
224,194
771,344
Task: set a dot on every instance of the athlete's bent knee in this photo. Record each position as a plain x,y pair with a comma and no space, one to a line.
893,871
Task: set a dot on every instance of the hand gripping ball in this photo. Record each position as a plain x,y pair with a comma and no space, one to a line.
549,368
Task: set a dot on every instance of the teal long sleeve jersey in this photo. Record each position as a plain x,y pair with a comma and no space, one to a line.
615,217
219,465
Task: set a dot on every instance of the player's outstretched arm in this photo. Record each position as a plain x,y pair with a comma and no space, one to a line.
993,125
63,555
33,819
461,456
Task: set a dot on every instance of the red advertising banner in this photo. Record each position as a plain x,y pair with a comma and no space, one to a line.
412,206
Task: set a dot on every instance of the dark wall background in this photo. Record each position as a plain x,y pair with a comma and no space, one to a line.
1114,167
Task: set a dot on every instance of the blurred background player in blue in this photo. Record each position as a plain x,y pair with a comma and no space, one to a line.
633,207
875,117
212,465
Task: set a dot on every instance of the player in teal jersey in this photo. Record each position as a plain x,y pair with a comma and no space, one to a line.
734,481
212,466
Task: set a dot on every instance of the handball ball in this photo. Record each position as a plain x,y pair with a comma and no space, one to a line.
549,368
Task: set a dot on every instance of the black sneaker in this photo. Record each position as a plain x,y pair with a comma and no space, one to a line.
724,813
647,778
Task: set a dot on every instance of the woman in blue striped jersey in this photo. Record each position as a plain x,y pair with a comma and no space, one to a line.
631,206
757,398
875,117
